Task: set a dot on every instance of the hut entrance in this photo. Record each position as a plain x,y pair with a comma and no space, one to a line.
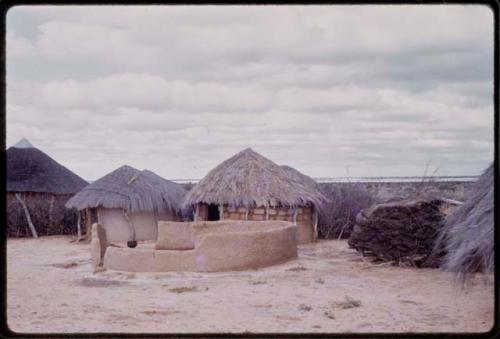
213,212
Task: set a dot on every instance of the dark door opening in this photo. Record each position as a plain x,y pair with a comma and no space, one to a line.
213,212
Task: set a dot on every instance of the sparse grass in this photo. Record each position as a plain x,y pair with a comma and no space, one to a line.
183,289
92,282
258,282
305,308
297,268
329,314
349,303
66,265
319,281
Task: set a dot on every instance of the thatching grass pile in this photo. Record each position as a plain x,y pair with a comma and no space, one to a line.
467,240
248,179
338,216
402,233
131,190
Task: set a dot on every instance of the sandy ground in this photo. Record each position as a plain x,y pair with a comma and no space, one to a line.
51,288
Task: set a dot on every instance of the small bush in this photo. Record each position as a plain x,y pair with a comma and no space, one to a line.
183,289
349,303
338,216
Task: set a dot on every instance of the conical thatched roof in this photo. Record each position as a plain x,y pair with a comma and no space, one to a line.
468,236
301,176
31,170
249,179
131,190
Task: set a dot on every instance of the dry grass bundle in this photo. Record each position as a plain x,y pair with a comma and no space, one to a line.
402,232
468,238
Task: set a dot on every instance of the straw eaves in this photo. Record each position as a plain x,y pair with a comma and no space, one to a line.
131,190
467,237
249,179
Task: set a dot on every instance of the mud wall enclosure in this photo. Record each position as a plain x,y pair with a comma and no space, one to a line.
208,246
304,218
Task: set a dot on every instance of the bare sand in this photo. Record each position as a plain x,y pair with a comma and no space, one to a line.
51,288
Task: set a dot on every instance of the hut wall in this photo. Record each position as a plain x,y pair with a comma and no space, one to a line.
118,230
305,226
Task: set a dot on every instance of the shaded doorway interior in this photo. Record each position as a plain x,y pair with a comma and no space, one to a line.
213,212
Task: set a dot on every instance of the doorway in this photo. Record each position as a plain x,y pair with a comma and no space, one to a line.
213,212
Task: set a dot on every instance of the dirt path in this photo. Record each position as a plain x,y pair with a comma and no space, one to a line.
51,288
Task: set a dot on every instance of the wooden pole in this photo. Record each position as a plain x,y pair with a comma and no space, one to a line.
221,212
196,212
78,225
88,225
27,214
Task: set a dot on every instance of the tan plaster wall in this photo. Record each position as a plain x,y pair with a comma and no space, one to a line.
118,230
218,246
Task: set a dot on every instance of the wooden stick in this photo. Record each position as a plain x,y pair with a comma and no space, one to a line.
88,226
78,225
27,214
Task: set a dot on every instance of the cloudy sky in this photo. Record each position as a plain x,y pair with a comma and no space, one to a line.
329,90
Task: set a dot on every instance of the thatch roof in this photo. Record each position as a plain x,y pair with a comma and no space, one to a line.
131,190
249,179
31,170
299,176
468,236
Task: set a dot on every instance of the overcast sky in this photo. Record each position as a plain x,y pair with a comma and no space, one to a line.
329,90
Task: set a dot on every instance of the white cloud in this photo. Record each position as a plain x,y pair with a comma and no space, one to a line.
177,89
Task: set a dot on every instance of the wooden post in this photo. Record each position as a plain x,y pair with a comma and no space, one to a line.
246,214
27,214
295,212
221,212
196,212
267,212
78,225
315,221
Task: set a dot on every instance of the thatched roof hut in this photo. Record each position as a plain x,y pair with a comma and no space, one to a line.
31,170
467,237
129,201
249,186
37,188
307,180
131,190
249,179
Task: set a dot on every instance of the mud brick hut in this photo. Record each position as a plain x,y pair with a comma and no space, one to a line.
248,186
37,189
467,238
129,203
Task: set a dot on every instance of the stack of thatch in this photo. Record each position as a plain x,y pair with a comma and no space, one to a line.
467,239
401,232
